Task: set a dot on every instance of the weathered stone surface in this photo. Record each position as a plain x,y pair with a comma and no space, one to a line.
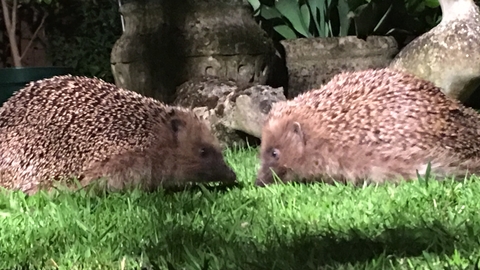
312,62
232,109
222,39
168,42
141,59
448,54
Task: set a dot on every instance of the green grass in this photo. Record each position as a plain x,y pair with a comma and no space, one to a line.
418,225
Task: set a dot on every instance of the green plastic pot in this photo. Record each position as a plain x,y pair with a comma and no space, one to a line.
13,79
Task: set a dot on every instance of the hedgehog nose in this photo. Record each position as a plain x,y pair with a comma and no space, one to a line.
259,183
231,175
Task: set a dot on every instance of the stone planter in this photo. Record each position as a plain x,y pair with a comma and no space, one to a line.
141,59
221,38
168,42
312,62
449,54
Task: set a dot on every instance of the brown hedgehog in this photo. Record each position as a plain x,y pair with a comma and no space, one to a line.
369,126
69,126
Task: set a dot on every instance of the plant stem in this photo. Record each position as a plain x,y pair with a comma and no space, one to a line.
11,27
34,35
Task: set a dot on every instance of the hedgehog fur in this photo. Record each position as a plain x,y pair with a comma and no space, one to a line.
369,126
68,127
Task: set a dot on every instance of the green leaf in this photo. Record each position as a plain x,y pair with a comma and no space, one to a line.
291,11
285,31
354,4
362,19
415,6
382,20
255,4
305,15
343,10
314,6
432,3
269,13
322,11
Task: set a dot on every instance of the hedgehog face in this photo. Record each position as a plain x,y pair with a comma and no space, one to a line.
282,147
199,157
212,164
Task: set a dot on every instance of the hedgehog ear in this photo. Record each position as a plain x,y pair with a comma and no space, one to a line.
297,129
176,124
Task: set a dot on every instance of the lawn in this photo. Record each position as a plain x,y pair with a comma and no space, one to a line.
421,225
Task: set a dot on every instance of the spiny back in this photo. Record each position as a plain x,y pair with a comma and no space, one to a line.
81,107
58,126
387,106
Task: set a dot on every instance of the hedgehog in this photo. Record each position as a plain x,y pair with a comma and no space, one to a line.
74,127
369,127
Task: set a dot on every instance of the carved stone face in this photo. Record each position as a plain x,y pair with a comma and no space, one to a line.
282,150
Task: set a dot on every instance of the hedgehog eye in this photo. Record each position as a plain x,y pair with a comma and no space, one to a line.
275,153
203,152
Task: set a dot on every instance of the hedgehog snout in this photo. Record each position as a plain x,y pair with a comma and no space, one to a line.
265,175
221,171
230,176
260,183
